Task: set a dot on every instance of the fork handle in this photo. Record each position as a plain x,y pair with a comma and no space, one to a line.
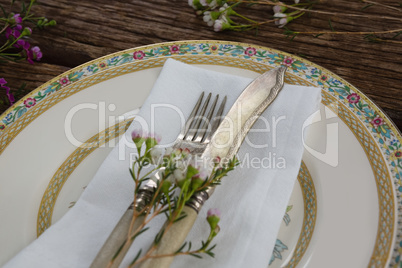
172,240
115,240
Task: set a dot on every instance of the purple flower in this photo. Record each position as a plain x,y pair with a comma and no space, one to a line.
10,96
34,54
14,32
2,82
17,18
22,44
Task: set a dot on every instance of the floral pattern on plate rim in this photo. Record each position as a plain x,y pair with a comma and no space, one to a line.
379,125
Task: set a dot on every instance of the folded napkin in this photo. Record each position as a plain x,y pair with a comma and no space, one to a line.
252,199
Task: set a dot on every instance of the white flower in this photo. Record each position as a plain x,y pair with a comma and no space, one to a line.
181,171
169,151
223,8
221,24
213,4
191,4
280,15
179,174
218,25
282,22
279,8
203,3
208,18
156,155
296,1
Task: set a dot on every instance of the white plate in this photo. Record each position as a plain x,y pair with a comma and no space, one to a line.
344,209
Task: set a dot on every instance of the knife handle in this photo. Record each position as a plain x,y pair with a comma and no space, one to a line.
115,240
172,240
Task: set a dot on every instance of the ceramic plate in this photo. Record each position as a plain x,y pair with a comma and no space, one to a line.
344,208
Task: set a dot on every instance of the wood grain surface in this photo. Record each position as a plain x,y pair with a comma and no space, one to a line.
90,29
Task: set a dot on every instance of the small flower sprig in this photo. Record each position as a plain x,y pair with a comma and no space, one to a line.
16,29
219,14
177,175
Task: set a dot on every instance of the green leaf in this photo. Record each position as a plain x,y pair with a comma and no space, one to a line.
289,208
367,6
181,248
397,34
140,232
196,255
136,257
182,216
330,25
211,248
318,35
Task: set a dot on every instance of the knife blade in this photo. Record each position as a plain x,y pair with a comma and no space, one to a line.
225,143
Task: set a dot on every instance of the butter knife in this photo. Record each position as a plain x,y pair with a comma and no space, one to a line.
251,103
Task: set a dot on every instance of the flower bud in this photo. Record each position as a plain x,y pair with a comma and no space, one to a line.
52,23
213,217
137,137
27,31
165,187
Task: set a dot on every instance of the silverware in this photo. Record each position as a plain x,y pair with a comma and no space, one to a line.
254,99
193,136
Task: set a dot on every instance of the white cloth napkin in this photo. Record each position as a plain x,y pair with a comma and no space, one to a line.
252,199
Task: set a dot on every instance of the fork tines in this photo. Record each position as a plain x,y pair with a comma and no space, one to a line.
201,124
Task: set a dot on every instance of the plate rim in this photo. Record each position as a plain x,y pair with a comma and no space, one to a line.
376,108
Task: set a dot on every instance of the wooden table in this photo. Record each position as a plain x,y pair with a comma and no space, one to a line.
90,29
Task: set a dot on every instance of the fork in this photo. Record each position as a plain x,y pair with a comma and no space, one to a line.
194,136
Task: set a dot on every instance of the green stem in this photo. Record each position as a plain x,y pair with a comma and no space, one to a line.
10,54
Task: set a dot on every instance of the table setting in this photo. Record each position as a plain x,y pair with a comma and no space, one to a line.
302,140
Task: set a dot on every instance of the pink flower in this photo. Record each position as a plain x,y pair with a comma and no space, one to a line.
377,121
29,102
157,137
250,51
102,65
34,54
136,134
138,55
353,98
214,212
213,48
174,49
288,61
64,81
